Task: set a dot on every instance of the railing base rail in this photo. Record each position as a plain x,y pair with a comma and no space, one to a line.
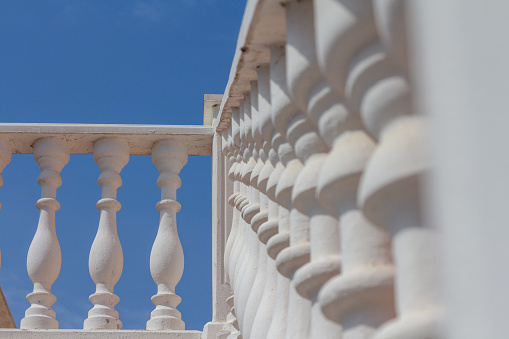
103,334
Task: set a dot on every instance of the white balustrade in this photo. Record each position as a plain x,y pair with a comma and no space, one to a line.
44,258
236,238
323,159
167,256
332,64
51,145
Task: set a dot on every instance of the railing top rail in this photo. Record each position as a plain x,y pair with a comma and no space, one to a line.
263,25
81,137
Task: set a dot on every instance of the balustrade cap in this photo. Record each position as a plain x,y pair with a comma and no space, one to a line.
81,137
263,25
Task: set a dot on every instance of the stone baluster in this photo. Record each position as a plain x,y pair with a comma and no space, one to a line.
265,132
305,84
281,181
106,259
255,164
248,262
269,275
234,200
231,326
281,239
390,189
229,150
269,230
240,249
252,205
260,206
309,90
242,200
297,254
167,255
361,298
44,257
276,232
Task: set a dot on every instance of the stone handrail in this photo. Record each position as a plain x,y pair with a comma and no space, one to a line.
80,138
111,145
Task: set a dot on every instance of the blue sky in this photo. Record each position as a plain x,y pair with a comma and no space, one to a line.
122,61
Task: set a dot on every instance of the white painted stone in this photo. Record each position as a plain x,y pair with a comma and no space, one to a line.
44,257
303,78
260,259
307,87
332,140
276,239
245,270
234,228
390,190
462,88
260,222
236,234
106,259
286,261
167,255
366,259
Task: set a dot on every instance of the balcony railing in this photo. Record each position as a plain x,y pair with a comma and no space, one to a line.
319,151
323,157
111,146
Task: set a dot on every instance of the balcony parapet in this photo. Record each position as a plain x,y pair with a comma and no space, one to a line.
111,145
339,97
